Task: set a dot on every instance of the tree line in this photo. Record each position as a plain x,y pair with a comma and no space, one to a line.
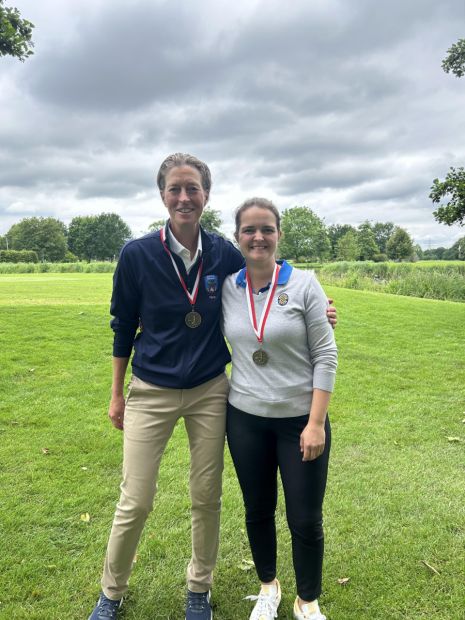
306,238
90,237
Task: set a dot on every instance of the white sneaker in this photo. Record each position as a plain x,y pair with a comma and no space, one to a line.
266,607
309,611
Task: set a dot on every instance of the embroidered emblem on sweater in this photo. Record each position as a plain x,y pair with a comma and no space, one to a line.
283,299
211,285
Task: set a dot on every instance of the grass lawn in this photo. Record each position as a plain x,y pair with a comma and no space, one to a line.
395,504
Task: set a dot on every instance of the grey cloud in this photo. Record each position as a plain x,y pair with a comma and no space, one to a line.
147,52
391,189
317,99
130,57
344,175
117,189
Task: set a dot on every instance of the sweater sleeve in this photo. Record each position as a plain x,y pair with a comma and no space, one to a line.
320,336
124,307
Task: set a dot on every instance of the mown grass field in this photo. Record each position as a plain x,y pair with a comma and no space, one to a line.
395,505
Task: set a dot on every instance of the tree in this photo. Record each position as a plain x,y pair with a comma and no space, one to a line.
460,247
366,242
98,237
112,234
382,232
15,34
81,233
417,252
400,245
211,220
156,225
454,62
44,235
347,246
335,232
456,252
304,235
434,254
454,186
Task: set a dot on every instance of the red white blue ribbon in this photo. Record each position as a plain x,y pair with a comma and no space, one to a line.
191,296
259,328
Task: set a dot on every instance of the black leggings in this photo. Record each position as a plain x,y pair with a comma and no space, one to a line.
259,446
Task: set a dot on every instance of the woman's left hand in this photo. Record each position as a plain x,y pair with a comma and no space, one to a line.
312,441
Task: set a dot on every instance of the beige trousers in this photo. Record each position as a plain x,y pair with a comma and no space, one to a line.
150,416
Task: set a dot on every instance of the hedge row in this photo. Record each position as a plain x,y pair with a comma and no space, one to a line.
18,256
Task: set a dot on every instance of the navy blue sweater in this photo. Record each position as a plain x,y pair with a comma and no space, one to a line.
146,290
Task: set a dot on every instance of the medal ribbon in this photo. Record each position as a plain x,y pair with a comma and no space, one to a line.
191,296
260,328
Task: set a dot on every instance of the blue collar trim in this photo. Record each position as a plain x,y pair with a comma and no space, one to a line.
283,277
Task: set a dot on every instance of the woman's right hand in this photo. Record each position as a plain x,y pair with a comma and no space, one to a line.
116,411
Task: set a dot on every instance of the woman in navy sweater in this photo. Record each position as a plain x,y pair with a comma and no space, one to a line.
166,305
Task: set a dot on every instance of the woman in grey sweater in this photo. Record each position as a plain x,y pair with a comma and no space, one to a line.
284,364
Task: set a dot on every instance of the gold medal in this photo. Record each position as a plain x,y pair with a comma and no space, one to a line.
260,357
193,319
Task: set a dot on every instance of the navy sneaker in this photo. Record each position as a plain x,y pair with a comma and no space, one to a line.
198,606
106,609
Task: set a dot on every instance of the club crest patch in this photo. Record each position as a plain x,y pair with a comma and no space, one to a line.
283,299
211,284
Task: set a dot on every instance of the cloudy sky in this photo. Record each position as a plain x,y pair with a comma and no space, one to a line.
340,105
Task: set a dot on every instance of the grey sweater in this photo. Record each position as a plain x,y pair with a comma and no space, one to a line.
298,340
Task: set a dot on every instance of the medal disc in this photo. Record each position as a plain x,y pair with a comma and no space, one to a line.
193,319
260,357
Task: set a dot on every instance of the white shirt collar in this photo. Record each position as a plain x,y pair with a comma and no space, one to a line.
183,253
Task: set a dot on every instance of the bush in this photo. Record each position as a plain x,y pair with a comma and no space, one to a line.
380,258
71,267
18,256
434,280
70,257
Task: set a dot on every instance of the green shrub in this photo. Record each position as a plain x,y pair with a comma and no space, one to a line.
18,256
100,267
429,284
71,267
70,257
430,279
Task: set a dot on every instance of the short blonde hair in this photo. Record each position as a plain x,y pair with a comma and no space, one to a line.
184,159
